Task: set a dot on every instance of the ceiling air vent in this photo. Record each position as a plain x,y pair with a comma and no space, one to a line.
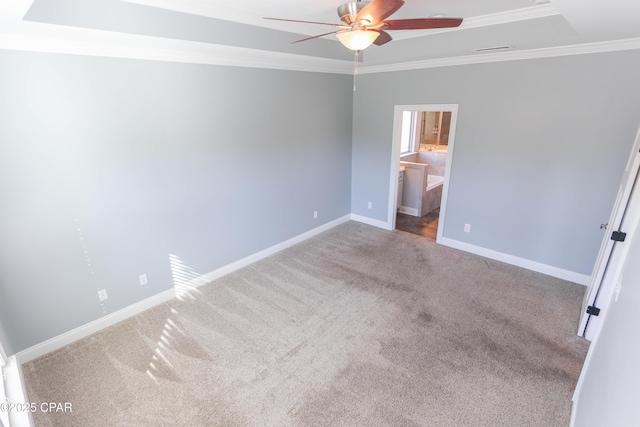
491,49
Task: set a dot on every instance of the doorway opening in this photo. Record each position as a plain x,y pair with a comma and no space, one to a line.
421,163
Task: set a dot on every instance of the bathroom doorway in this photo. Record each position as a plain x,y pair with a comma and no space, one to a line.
421,164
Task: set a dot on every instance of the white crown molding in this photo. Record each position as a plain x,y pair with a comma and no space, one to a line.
38,37
204,8
15,9
534,12
211,10
481,58
16,34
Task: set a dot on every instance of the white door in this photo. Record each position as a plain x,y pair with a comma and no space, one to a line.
609,259
608,389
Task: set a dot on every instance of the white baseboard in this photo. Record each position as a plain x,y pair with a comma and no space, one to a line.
574,404
560,273
230,268
371,221
549,270
127,312
94,326
408,211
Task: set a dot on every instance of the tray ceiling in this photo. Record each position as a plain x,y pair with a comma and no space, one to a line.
235,33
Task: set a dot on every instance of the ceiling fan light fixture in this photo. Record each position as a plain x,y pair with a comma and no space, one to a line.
357,40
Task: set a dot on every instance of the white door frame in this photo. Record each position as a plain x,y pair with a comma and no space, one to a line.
610,258
3,357
4,416
395,159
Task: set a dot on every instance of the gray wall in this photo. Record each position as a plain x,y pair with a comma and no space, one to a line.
539,150
108,166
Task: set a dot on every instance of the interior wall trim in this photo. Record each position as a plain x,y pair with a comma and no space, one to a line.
408,210
111,319
92,327
37,37
230,268
385,225
482,58
222,12
560,273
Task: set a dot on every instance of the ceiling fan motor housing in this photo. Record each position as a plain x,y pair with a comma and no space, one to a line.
365,22
349,11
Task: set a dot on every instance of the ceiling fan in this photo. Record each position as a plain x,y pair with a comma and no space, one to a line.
365,23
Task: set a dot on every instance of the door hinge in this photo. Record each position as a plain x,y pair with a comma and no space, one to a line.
618,236
593,310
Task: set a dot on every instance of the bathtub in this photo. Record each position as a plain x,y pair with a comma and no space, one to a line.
431,198
421,191
434,181
437,161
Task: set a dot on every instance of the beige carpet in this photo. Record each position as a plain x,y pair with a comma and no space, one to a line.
355,327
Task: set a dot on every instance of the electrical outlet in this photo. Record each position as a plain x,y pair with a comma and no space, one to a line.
315,214
143,279
102,294
467,228
370,205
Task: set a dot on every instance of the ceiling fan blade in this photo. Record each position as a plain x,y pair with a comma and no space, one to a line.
315,37
376,11
421,23
383,38
307,22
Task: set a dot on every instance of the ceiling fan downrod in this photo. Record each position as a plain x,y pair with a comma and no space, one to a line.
349,11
